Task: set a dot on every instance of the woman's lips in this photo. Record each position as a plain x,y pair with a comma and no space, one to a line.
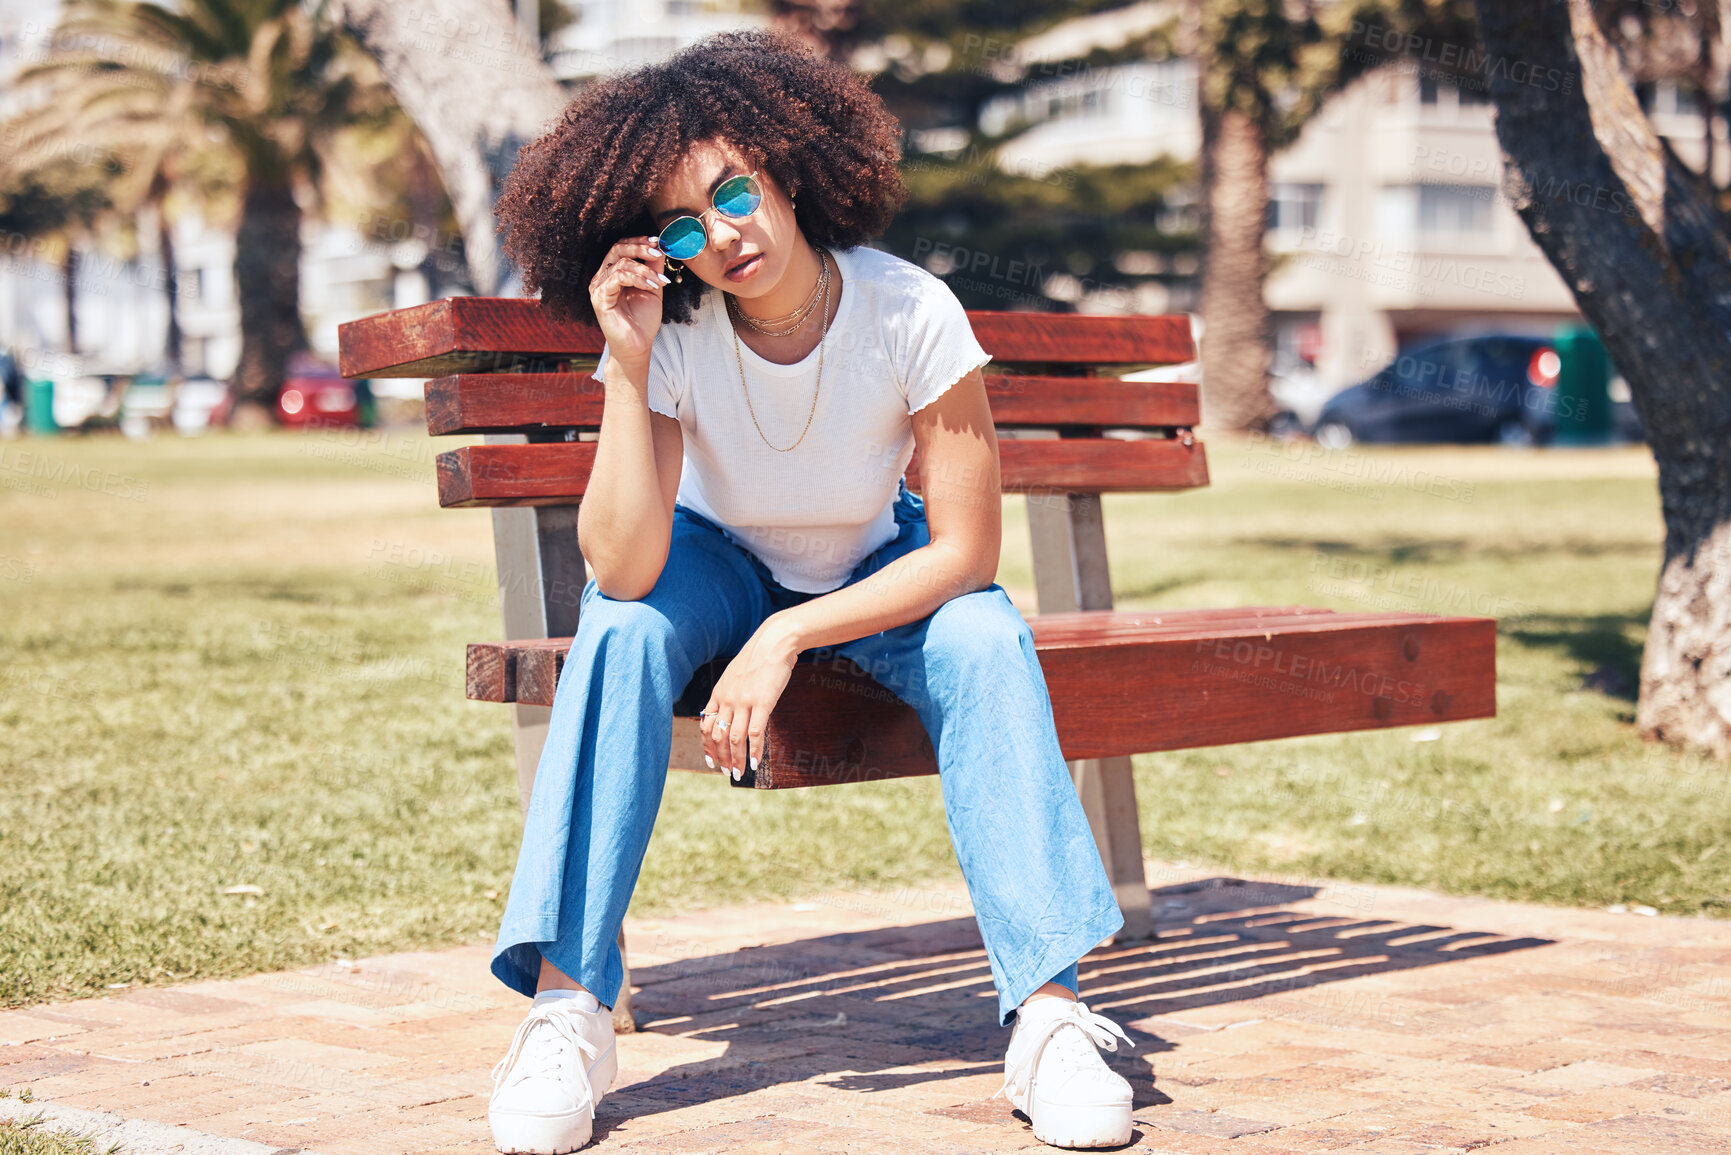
745,268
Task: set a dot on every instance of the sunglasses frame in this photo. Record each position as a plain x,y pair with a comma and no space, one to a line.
713,207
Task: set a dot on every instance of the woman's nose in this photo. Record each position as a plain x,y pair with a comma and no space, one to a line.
722,234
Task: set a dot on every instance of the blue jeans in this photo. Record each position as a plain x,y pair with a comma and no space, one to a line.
1039,891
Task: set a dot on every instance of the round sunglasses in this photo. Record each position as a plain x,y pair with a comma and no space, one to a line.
735,198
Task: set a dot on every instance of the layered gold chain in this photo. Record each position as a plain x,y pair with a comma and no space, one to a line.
823,294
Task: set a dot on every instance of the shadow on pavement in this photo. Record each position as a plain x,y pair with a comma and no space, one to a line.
906,1005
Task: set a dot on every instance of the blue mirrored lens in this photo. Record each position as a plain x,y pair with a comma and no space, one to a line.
683,239
738,196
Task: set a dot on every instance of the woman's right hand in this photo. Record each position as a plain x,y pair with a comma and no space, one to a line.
626,294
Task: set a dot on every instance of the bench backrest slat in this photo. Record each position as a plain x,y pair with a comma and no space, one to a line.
466,334
557,474
527,402
505,366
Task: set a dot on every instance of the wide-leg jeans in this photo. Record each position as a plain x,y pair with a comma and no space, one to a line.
1039,891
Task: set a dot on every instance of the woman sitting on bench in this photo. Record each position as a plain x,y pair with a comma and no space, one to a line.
767,380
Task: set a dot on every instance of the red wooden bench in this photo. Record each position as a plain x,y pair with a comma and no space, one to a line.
1121,682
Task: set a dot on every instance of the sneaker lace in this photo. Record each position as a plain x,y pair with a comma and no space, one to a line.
564,1025
1096,1028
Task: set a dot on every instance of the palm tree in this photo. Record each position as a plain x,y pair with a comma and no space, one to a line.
59,203
267,83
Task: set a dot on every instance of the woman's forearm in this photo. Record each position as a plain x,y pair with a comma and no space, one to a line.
623,527
903,591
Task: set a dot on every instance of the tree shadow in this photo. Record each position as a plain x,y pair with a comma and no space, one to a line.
1601,643
899,1006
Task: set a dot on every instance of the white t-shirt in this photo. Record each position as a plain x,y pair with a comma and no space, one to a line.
899,340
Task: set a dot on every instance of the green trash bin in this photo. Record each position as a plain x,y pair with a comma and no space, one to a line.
1583,389
39,408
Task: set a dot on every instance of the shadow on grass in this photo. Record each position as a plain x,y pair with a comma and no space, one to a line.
1605,645
889,1008
1421,551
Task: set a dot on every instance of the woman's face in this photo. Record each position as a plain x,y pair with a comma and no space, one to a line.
746,257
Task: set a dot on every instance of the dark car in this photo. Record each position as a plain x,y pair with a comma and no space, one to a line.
1488,388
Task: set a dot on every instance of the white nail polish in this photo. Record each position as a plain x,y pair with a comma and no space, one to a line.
663,278
737,774
754,764
708,761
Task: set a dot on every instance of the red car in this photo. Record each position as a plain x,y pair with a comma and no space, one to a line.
316,394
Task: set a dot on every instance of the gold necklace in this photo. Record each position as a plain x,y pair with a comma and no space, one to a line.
790,323
740,361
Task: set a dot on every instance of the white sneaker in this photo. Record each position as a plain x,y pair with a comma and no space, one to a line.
1054,1074
561,1061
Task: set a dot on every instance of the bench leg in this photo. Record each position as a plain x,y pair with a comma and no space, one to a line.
1108,794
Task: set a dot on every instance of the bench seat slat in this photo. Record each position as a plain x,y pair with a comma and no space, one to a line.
529,402
1189,682
466,334
557,474
527,669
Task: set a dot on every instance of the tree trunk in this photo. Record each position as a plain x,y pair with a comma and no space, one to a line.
477,92
267,279
1235,334
70,280
1633,234
171,342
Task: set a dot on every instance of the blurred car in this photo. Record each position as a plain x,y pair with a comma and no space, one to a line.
199,403
1495,388
316,394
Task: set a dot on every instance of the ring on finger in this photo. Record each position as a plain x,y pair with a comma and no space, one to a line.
721,727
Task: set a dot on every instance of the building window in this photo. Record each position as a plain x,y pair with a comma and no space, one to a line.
1294,207
1434,93
1455,209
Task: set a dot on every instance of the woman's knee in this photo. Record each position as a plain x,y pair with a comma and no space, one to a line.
982,624
618,621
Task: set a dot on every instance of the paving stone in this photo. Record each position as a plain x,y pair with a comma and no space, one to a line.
1270,1015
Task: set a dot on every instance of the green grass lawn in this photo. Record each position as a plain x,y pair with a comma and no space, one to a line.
233,734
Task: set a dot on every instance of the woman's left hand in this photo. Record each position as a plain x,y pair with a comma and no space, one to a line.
738,708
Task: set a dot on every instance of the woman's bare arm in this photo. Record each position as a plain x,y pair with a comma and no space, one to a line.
960,484
625,523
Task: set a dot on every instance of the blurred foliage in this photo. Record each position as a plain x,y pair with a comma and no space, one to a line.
996,236
1102,228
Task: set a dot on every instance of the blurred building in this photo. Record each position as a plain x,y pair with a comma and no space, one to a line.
1388,223
610,36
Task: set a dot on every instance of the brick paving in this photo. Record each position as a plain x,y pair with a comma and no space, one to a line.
1269,1015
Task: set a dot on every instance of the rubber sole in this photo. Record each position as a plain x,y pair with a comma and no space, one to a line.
1065,1125
555,1134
